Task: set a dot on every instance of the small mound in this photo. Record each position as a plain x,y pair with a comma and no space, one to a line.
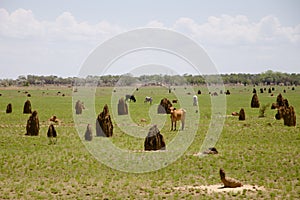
220,188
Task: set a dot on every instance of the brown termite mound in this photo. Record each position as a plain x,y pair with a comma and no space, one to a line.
9,108
27,107
288,114
242,114
33,126
52,134
154,140
104,126
255,101
164,106
279,100
122,107
229,182
79,107
88,136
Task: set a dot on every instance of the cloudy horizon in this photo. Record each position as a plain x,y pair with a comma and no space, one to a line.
58,42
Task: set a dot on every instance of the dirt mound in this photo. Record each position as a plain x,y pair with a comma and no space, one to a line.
219,188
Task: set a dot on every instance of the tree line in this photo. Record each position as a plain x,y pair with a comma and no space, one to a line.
266,78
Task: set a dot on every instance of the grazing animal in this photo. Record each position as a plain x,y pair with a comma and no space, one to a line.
214,94
235,114
130,97
195,100
229,182
148,99
174,101
211,150
52,134
54,119
177,115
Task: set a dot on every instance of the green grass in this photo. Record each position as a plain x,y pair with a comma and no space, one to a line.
257,151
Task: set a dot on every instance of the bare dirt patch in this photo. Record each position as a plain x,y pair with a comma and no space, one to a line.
220,188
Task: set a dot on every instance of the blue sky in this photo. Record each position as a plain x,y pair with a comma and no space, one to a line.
55,37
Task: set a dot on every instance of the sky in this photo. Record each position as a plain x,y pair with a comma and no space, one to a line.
56,37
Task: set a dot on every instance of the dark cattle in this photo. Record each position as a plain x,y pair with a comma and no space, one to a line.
227,92
214,94
199,92
211,150
254,91
130,98
174,101
54,119
52,134
148,99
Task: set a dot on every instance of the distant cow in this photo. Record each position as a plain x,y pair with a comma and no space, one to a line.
195,100
214,94
174,101
148,99
177,115
130,97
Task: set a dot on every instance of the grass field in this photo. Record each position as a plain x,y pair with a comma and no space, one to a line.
257,151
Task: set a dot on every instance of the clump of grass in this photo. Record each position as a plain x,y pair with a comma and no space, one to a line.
262,110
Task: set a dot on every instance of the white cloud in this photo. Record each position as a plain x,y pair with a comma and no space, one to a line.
239,29
155,24
22,24
236,43
216,30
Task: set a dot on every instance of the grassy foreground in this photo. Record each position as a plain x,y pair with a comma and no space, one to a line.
257,151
